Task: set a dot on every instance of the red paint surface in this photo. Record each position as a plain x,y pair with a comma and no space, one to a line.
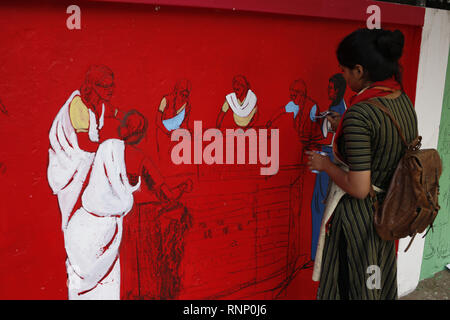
42,63
337,9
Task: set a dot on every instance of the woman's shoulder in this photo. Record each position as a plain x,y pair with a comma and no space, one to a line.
366,111
362,106
361,111
370,111
403,99
363,114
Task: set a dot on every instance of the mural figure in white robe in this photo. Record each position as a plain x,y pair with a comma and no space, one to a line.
93,235
91,220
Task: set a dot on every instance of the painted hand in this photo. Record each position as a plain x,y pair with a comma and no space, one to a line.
317,161
334,120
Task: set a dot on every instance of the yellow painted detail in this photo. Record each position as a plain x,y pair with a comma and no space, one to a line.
244,121
79,115
225,106
240,121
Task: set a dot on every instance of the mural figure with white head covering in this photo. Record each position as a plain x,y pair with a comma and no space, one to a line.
242,102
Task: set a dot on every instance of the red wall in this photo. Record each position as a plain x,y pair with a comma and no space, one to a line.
42,63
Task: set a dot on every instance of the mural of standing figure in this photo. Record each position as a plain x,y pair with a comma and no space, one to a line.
173,113
75,136
336,91
307,122
87,173
94,232
242,102
175,108
304,113
153,243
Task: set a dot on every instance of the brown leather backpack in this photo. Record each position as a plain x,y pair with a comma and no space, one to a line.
411,202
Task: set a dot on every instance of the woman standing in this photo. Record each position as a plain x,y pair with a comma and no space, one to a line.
367,150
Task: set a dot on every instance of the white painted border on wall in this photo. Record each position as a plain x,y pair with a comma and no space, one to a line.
434,51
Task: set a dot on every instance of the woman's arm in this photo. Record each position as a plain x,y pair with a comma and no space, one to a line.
355,183
357,133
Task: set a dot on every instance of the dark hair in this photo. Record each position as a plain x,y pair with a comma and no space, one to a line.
242,80
136,123
339,84
298,85
376,50
182,85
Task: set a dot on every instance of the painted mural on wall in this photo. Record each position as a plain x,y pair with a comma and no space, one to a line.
96,165
436,253
165,165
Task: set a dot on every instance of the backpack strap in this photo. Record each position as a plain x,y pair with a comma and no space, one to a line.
410,242
380,106
374,102
415,144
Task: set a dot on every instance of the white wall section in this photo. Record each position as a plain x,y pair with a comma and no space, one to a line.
429,98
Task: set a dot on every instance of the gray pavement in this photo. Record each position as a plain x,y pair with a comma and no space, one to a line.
435,288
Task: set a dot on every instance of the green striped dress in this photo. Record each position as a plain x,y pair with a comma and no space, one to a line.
369,142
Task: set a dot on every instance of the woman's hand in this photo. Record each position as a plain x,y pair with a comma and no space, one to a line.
355,183
334,118
317,161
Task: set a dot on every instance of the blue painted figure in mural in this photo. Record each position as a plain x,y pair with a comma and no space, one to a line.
336,90
173,113
175,108
303,110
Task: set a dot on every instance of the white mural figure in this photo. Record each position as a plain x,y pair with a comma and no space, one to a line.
93,235
242,102
68,164
91,186
75,136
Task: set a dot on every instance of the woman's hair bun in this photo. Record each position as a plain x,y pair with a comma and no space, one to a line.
390,44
